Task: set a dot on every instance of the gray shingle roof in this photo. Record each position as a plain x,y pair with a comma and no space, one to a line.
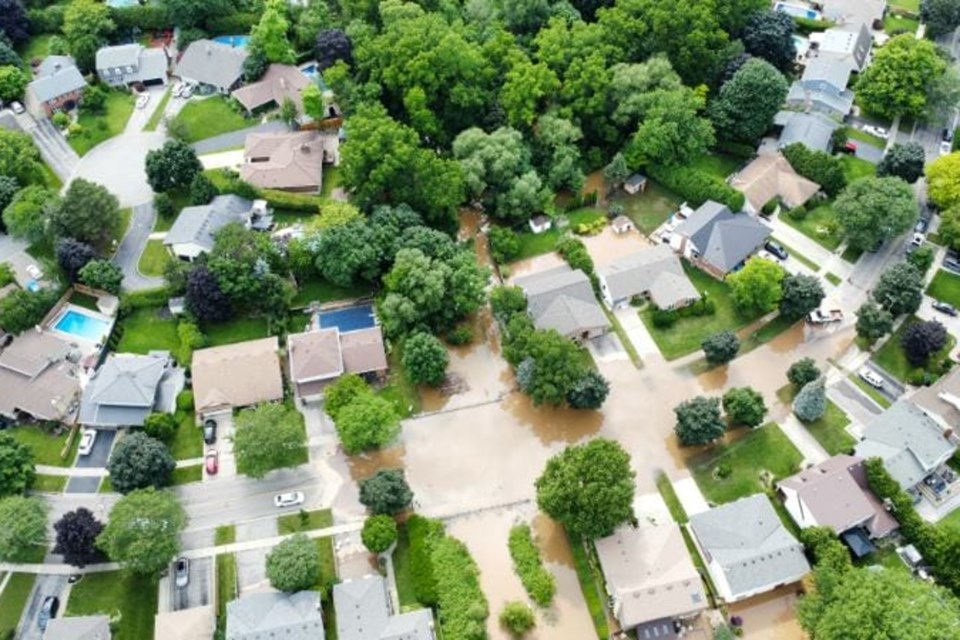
910,443
562,299
750,544
123,391
656,270
830,69
57,76
213,63
811,129
723,239
78,628
123,55
363,613
801,95
198,224
264,616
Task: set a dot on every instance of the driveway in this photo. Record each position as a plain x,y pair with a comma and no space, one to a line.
132,246
198,592
869,152
118,164
43,587
10,246
236,138
139,118
252,564
52,145
97,458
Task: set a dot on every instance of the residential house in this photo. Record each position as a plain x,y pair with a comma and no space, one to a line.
57,86
813,130
835,494
196,623
127,388
540,223
649,576
289,161
212,66
125,64
941,400
281,82
38,378
364,612
635,184
854,12
771,176
823,86
78,628
291,616
236,375
563,299
317,358
654,273
747,549
194,229
717,240
911,444
850,43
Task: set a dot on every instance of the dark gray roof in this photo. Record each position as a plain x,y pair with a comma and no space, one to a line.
265,616
808,96
124,390
812,129
656,270
57,76
722,238
750,544
562,299
636,179
213,63
363,613
198,224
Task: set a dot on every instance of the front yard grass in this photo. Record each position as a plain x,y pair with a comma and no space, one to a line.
154,258
144,330
893,23
46,447
820,225
211,117
225,534
49,484
952,521
133,597
649,209
319,290
592,592
157,116
764,449
535,244
834,279
226,586
855,168
399,390
99,127
238,330
304,521
830,430
945,286
403,571
13,600
893,360
186,475
187,442
331,180
686,335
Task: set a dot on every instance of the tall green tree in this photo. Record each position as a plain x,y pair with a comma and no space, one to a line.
769,35
173,166
294,564
900,289
24,530
527,90
556,154
811,403
368,422
87,26
143,532
940,16
16,466
27,214
872,210
19,157
267,437
873,322
699,421
801,295
139,461
903,161
744,405
425,359
943,181
757,287
270,34
88,213
900,78
386,492
747,102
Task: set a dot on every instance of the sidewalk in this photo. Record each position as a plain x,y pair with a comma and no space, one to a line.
690,495
808,446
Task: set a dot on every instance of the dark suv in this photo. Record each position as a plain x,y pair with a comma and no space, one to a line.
51,604
777,250
209,431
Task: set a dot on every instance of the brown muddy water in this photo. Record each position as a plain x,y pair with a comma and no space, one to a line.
770,616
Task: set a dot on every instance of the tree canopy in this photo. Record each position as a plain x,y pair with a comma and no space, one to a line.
769,35
77,533
267,437
379,532
757,286
943,181
903,161
425,359
24,530
900,289
294,564
173,166
899,80
367,422
138,461
386,492
872,210
699,421
16,466
748,101
88,213
143,531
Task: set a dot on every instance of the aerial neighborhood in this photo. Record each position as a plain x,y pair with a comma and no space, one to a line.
402,320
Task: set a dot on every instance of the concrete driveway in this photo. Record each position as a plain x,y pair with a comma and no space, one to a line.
198,592
139,118
97,458
118,164
132,246
10,246
43,587
252,564
52,145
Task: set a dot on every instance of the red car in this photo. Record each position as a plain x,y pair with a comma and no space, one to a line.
849,147
212,463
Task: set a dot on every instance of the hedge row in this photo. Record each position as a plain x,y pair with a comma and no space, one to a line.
538,582
463,607
292,201
423,534
696,187
822,168
147,298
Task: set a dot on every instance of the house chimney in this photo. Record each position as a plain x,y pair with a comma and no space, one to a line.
283,83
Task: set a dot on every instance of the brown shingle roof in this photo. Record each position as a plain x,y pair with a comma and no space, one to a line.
770,176
363,351
237,375
35,378
281,81
315,355
285,160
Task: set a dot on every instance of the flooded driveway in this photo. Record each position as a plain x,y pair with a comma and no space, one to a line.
770,616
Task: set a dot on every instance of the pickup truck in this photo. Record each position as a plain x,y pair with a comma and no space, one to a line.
821,316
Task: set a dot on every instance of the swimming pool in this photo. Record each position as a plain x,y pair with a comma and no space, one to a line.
348,319
313,72
75,322
233,41
797,11
121,3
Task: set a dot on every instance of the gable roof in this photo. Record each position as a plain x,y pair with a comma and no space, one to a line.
197,225
124,390
213,63
810,97
285,160
814,130
237,375
941,400
121,55
36,377
260,616
562,299
722,238
851,41
363,350
315,355
836,494
650,574
363,613
656,270
78,628
56,76
770,176
32,352
831,69
196,623
281,81
854,11
909,442
747,541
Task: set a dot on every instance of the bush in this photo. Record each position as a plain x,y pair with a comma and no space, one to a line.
538,582
738,149
517,618
61,120
721,347
504,245
423,534
425,359
822,168
379,533
664,318
811,402
696,187
459,596
294,564
798,213
460,336
802,372
185,401
284,200
575,253
161,426
770,206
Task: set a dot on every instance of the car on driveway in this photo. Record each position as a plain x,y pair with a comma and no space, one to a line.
945,147
209,431
944,307
87,438
952,262
776,250
871,377
873,130
17,107
211,462
143,100
51,604
289,499
182,573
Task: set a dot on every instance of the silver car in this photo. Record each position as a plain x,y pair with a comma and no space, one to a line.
290,499
182,573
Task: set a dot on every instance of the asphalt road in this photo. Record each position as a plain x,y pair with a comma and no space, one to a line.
892,389
132,245
236,138
43,587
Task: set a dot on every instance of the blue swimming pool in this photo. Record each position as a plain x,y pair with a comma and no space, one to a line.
233,41
349,319
82,325
797,11
313,72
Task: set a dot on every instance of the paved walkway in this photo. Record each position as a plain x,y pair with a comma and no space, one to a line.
690,496
639,336
801,438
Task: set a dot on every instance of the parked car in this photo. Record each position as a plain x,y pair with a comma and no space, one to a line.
849,147
871,377
825,316
17,107
947,135
289,499
922,225
873,130
212,462
944,307
945,147
143,100
918,239
182,573
777,250
87,438
48,611
209,431
952,263
187,91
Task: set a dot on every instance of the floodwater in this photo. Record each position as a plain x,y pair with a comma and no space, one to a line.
770,616
607,246
486,535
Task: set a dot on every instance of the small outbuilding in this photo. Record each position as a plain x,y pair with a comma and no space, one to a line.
622,224
637,183
540,223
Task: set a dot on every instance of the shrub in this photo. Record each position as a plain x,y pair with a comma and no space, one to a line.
575,253
517,618
460,336
811,402
161,426
921,340
282,199
423,534
459,596
379,533
696,187
822,168
798,213
721,347
294,564
803,372
664,318
61,120
538,582
504,245
425,359
185,401
770,206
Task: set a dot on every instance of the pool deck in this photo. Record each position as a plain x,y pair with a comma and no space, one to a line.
87,346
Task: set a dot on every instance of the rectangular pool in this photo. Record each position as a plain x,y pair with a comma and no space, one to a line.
348,319
797,11
75,322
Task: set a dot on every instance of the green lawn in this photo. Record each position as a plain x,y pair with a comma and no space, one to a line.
13,600
913,6
225,534
211,117
226,586
945,286
49,484
320,290
400,390
893,23
686,334
100,127
649,209
187,440
952,521
535,244
154,258
144,330
592,592
46,447
304,521
186,475
665,487
83,300
718,165
820,225
859,134
238,330
894,361
834,279
764,449
157,116
854,168
403,570
36,48
875,395
331,180
830,430
133,597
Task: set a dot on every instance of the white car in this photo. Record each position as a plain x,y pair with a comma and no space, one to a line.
87,438
880,132
871,377
291,499
178,89
946,147
187,91
143,100
17,107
